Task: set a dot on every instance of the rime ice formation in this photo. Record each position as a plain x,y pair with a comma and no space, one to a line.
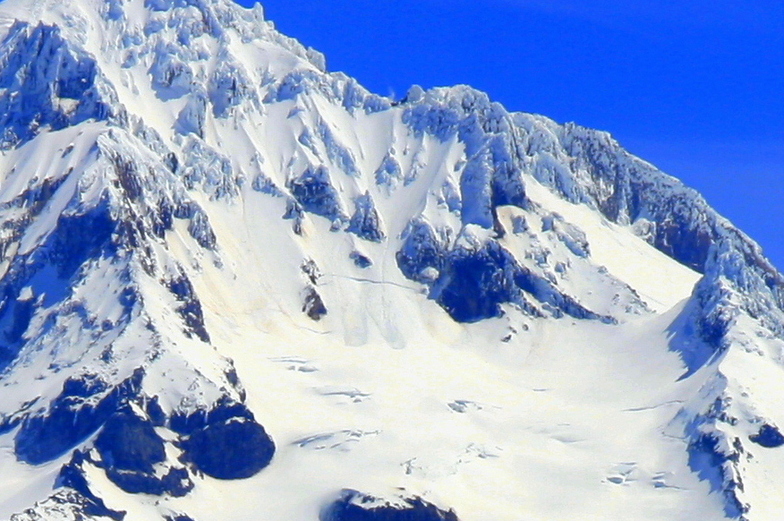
237,286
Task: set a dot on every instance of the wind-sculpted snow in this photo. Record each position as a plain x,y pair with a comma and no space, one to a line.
181,183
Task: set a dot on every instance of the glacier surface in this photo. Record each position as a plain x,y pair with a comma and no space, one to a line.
235,285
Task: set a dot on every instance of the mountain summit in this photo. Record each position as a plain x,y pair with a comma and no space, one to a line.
234,285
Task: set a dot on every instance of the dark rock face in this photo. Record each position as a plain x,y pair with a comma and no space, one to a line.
312,304
474,283
311,270
128,442
389,172
472,287
422,249
768,436
179,517
80,237
507,185
201,231
365,222
226,409
313,190
225,443
49,270
155,412
190,307
176,482
709,462
294,212
354,506
681,240
237,448
18,314
471,284
626,189
71,419
163,219
360,261
265,185
128,176
38,69
72,476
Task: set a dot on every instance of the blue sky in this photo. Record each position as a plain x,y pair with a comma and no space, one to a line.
695,87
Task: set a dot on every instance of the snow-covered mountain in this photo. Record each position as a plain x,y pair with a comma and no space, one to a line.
237,286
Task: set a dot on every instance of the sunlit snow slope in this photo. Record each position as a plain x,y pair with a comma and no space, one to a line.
236,286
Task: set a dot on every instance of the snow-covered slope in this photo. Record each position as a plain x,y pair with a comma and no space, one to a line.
236,286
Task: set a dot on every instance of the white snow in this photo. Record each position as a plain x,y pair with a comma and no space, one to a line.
510,418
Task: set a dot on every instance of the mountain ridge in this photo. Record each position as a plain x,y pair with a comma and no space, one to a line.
183,137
